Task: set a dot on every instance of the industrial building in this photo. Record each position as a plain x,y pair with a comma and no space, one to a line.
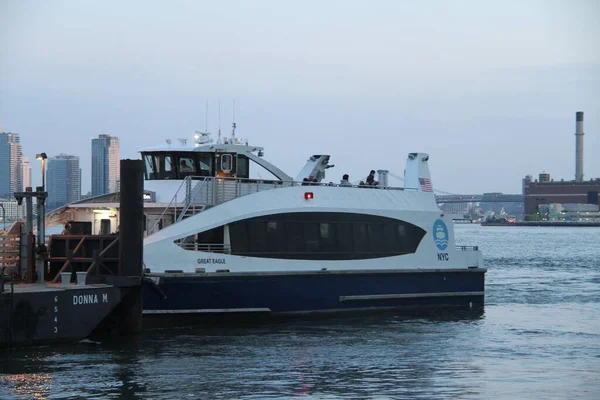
545,190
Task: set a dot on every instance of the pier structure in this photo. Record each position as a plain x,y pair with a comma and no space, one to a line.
74,286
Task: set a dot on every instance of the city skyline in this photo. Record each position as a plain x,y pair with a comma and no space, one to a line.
488,91
110,155
16,169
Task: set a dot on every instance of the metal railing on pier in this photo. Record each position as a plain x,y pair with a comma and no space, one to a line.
9,251
94,254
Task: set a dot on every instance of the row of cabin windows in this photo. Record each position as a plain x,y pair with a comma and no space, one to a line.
170,166
319,236
325,240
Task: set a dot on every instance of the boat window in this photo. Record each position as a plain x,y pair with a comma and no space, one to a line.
315,236
226,162
311,236
205,163
187,166
390,236
327,238
257,171
213,236
239,236
375,235
324,229
401,238
360,237
401,231
324,236
168,163
158,166
295,239
275,236
149,164
344,239
163,166
258,237
242,167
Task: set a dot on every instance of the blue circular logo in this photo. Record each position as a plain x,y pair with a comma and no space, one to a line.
440,234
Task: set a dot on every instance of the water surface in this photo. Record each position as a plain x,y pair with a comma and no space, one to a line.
538,337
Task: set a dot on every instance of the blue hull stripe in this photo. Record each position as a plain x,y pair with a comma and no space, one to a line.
409,296
311,292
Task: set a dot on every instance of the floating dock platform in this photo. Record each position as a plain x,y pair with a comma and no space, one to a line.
35,314
79,285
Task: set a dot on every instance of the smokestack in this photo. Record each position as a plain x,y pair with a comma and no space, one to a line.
579,146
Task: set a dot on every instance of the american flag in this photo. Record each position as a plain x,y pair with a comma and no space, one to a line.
425,185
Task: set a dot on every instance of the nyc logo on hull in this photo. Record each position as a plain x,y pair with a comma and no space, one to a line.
440,239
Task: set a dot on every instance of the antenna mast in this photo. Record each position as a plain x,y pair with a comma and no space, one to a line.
233,126
219,138
206,117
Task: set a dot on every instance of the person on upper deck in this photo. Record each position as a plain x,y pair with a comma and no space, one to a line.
345,180
371,179
185,167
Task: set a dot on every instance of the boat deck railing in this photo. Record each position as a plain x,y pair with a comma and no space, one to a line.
212,191
206,247
198,192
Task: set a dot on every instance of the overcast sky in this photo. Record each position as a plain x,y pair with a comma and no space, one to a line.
488,89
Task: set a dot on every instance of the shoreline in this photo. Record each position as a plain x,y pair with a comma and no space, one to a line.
543,223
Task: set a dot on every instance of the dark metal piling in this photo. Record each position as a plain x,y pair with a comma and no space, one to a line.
131,240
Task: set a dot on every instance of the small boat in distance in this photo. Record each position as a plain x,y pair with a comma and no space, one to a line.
219,240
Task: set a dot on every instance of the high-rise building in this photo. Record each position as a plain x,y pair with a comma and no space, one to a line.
63,181
105,164
12,211
11,178
26,170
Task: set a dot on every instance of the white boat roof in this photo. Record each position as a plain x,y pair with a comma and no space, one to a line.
237,147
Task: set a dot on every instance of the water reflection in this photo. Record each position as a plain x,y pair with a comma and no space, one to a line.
27,386
302,357
130,386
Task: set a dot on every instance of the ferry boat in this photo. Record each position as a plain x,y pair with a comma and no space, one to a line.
219,240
